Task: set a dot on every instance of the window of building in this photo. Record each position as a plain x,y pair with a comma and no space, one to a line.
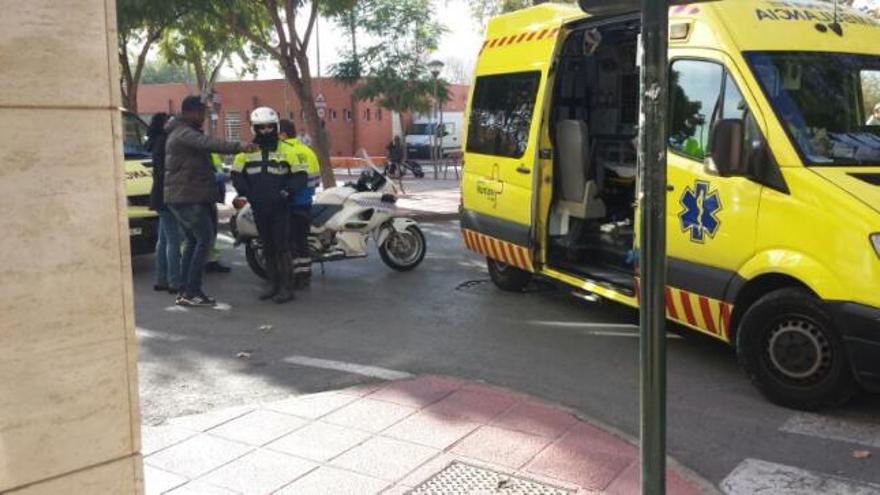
501,114
233,126
332,114
378,114
347,114
695,90
366,114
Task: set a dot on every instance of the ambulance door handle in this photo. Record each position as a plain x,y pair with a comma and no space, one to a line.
523,170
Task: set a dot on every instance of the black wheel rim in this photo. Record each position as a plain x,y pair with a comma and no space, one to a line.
798,351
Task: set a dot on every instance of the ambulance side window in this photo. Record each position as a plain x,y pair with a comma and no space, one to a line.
501,114
695,90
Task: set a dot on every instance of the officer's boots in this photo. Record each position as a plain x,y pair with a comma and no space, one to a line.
285,294
274,282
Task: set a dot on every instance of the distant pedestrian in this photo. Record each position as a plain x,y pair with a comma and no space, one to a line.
167,267
191,189
394,166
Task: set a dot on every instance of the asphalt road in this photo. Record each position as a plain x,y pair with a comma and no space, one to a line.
446,318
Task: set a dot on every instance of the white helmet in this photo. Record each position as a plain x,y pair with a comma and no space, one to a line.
263,116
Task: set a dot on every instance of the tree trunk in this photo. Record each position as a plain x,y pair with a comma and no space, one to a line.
302,85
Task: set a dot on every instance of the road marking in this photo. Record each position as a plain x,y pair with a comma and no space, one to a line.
357,369
597,333
580,324
151,334
860,429
757,476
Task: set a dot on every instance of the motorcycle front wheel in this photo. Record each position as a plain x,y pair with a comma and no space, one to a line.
403,251
255,258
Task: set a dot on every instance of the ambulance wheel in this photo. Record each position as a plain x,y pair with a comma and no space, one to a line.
792,353
506,277
255,258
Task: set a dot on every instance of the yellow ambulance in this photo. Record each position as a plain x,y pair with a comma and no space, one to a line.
143,223
773,207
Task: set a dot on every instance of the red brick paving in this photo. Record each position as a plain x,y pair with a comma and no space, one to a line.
389,437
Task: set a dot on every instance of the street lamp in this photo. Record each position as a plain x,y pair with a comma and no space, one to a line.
435,66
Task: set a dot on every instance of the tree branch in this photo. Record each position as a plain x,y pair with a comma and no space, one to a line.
290,14
283,44
313,17
257,40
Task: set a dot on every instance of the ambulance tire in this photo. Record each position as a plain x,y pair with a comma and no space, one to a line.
790,350
506,277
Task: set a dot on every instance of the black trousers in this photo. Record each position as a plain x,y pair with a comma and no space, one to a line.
273,225
300,225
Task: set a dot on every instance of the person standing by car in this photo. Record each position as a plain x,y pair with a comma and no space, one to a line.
874,119
167,266
191,189
213,265
301,203
266,179
394,167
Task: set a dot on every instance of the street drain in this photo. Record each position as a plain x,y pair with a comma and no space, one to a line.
461,478
469,285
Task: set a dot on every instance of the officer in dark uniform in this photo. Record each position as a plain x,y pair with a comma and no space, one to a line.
267,180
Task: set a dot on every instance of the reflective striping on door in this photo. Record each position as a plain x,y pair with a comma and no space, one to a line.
503,251
528,36
702,313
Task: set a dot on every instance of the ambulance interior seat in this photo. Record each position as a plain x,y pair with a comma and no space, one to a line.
579,187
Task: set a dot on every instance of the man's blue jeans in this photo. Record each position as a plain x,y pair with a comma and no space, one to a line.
198,228
168,250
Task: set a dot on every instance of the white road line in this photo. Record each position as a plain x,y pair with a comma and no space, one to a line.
580,324
756,476
151,334
357,369
861,429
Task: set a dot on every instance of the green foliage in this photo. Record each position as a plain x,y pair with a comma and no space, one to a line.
391,71
162,72
196,42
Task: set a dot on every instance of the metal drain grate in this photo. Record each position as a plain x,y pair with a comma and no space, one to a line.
463,479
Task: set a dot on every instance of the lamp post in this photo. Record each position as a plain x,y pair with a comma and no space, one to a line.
434,66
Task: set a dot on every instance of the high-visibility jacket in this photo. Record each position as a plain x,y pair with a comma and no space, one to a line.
268,178
307,161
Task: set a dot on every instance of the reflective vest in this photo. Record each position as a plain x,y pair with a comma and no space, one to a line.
306,161
263,175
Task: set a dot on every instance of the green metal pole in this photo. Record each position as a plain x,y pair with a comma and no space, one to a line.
652,241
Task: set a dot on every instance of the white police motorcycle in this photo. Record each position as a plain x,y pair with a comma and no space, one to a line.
343,219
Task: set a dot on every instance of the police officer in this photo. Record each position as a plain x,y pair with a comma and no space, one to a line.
267,179
301,204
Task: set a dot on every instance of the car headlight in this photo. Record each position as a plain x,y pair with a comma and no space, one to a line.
875,240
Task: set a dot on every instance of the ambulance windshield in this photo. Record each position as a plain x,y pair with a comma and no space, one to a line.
828,103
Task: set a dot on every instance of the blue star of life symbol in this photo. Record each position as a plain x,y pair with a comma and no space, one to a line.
700,214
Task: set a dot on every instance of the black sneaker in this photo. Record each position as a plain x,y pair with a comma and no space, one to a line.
161,288
200,300
216,267
173,291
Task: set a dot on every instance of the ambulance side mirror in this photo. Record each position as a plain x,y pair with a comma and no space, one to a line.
726,148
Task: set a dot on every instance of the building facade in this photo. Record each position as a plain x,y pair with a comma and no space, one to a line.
351,124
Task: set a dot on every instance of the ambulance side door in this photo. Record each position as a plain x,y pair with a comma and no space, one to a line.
501,147
711,219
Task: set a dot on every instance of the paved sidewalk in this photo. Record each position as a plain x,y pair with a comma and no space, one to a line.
431,434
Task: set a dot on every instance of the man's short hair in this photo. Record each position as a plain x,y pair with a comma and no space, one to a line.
286,126
192,104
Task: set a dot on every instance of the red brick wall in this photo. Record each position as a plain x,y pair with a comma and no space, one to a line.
371,132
